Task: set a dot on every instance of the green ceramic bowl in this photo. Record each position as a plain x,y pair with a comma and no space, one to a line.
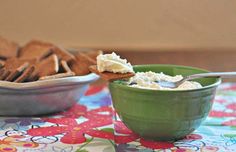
164,114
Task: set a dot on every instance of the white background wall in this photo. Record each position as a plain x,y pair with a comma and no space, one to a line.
129,24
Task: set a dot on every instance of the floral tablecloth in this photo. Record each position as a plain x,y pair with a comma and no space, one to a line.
89,126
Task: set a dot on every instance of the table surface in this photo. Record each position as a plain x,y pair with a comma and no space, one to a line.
88,126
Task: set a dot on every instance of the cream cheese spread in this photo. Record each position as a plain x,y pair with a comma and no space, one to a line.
149,80
113,63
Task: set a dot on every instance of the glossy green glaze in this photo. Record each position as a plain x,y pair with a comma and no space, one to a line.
164,114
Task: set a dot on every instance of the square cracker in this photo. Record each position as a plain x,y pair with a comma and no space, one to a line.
109,76
4,74
14,63
93,54
8,48
2,63
65,66
40,49
25,75
46,67
63,54
81,65
15,73
36,49
56,76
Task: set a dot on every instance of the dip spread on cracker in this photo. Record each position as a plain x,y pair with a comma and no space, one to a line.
113,63
111,67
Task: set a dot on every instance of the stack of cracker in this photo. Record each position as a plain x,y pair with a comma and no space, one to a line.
39,60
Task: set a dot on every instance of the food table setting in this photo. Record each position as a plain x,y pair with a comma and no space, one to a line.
49,104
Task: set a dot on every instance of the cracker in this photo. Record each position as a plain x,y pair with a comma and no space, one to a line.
46,67
25,75
63,54
36,49
2,63
14,63
81,65
93,54
8,48
65,66
109,76
2,71
85,57
56,76
4,74
14,74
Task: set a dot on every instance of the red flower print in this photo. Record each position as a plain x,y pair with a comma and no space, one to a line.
156,144
230,123
101,113
232,106
125,135
94,89
104,113
193,137
75,112
121,128
209,149
74,132
230,88
220,101
128,136
220,114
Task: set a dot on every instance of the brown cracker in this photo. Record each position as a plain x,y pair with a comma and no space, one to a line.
93,54
14,74
109,76
14,63
63,54
4,74
2,63
81,65
2,71
65,66
41,49
8,48
36,49
46,67
25,75
60,75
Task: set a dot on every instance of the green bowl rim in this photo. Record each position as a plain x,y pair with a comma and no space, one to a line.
180,66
